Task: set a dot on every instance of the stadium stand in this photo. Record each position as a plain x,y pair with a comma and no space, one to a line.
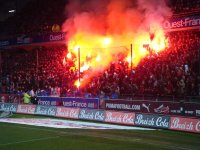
175,72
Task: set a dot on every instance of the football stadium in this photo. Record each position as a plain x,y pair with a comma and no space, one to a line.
100,74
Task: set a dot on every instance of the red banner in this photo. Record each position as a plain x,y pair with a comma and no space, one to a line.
26,109
185,124
120,117
66,112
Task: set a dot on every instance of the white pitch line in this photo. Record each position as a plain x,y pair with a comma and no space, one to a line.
32,140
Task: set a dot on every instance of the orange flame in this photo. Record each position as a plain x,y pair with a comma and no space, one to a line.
77,83
102,36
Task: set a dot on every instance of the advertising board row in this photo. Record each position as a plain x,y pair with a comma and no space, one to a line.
108,116
77,102
25,39
137,106
154,107
173,23
92,103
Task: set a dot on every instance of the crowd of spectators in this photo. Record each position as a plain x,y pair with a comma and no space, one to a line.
175,71
184,6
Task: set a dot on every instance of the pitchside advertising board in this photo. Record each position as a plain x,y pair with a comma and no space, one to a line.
92,103
185,124
169,108
155,121
8,107
117,117
45,110
49,101
90,114
65,112
120,117
26,109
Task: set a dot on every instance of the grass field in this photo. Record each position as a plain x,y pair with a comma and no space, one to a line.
24,137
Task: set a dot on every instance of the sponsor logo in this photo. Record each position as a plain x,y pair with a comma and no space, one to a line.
58,37
152,120
46,110
185,124
67,112
81,102
123,106
162,109
8,107
120,117
147,107
91,115
181,23
26,109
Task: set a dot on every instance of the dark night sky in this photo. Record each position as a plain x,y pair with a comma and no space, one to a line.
6,5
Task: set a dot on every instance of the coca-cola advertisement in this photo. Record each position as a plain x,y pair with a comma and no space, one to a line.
154,107
120,117
185,124
89,114
65,112
26,109
155,121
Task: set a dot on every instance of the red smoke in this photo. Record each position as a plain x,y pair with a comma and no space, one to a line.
102,29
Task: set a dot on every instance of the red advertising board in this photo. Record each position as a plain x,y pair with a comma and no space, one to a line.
185,124
120,117
66,112
26,109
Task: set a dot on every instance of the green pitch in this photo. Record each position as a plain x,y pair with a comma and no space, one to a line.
24,137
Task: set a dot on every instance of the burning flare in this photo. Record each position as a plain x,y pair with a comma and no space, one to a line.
103,29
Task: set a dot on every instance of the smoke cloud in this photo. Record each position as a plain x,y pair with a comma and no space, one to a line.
105,28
